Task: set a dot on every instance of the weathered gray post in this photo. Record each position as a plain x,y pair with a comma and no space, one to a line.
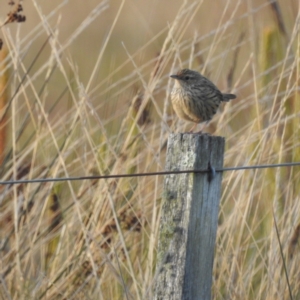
189,218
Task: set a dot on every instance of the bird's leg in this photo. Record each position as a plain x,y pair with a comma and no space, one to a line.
192,129
202,127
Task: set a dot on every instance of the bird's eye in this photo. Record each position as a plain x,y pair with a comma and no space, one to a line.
187,77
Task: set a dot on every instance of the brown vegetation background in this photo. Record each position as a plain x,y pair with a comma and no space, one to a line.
84,90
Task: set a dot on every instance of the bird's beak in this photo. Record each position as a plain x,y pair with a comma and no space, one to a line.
174,76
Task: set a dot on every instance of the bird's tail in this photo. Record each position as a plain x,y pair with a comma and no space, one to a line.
228,97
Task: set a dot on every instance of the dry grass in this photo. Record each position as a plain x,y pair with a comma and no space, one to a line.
95,100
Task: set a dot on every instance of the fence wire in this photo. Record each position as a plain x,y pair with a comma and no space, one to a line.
98,177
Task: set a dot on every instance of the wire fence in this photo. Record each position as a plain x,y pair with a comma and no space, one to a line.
160,173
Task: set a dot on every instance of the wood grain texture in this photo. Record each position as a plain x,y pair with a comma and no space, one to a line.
189,218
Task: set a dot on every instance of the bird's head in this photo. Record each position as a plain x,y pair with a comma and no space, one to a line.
186,77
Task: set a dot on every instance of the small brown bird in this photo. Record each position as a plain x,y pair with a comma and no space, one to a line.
195,98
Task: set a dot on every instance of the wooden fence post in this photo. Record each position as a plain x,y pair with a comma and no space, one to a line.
189,218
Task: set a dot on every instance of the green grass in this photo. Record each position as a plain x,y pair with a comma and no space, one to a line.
96,101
